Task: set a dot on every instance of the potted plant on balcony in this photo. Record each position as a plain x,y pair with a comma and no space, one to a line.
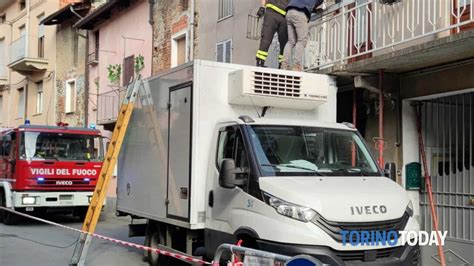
115,71
139,63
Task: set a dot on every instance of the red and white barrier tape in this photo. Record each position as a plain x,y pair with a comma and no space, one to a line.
121,242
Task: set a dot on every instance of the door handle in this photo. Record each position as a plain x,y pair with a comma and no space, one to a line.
210,201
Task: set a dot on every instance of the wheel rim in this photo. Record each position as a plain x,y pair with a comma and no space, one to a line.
154,244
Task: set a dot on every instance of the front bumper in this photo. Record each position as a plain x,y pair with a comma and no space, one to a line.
392,256
52,199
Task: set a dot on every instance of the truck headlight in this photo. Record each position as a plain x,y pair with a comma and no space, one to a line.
409,209
28,200
294,211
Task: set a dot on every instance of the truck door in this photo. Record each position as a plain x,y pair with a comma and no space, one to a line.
225,203
179,149
7,165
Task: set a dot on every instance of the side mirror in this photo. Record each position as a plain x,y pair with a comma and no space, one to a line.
227,175
390,171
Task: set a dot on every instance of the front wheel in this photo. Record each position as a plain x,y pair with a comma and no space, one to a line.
7,217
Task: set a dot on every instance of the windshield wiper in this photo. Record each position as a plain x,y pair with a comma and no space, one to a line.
294,166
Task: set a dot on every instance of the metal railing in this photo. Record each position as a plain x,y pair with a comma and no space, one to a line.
3,71
108,105
18,49
364,28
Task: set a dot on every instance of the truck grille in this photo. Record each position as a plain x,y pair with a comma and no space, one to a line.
334,228
276,84
360,254
61,183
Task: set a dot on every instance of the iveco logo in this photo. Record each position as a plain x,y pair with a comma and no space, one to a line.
375,209
64,183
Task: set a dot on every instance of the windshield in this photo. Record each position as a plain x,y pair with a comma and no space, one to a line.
61,147
297,150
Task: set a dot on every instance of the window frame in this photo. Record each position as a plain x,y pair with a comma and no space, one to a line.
21,102
72,97
224,51
39,97
174,47
220,10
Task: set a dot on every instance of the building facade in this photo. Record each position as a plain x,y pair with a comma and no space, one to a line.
404,73
27,63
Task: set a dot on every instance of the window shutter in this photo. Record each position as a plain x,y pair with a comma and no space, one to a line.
128,69
220,52
228,51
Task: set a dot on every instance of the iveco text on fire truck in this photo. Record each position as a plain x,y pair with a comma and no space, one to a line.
48,169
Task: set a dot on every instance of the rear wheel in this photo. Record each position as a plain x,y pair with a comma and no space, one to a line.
155,238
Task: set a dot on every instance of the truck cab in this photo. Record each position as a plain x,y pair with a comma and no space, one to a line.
48,169
292,187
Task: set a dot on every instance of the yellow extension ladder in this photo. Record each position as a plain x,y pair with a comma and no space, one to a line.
98,198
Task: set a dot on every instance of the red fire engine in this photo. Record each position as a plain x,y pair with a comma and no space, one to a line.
48,169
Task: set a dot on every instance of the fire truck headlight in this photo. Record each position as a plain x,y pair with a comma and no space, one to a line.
89,198
28,200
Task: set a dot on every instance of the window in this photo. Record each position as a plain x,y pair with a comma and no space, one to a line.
8,144
231,146
3,18
39,97
128,69
40,37
70,97
226,9
22,4
179,53
463,3
21,103
224,51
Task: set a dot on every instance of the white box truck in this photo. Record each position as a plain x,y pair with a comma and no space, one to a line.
215,153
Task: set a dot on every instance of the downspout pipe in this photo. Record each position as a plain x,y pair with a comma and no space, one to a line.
151,18
191,31
381,142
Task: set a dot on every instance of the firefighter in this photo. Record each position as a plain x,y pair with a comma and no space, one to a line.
274,12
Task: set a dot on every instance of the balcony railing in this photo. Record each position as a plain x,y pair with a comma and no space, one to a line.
360,29
108,105
3,71
18,49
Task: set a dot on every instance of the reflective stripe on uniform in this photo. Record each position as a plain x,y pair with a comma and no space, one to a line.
280,58
259,56
277,9
262,52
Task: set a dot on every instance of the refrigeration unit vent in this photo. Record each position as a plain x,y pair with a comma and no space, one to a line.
276,84
277,88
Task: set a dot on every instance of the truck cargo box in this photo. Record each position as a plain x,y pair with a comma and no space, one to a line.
163,166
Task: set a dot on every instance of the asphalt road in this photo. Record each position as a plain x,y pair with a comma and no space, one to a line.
34,243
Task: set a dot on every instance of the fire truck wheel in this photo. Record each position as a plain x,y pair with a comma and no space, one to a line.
81,213
7,217
156,237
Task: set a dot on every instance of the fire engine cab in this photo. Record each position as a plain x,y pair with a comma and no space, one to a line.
46,169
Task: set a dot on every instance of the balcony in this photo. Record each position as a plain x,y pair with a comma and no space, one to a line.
362,36
23,64
108,106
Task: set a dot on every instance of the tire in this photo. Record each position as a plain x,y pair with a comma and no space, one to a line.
7,217
2,203
155,237
11,218
81,213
